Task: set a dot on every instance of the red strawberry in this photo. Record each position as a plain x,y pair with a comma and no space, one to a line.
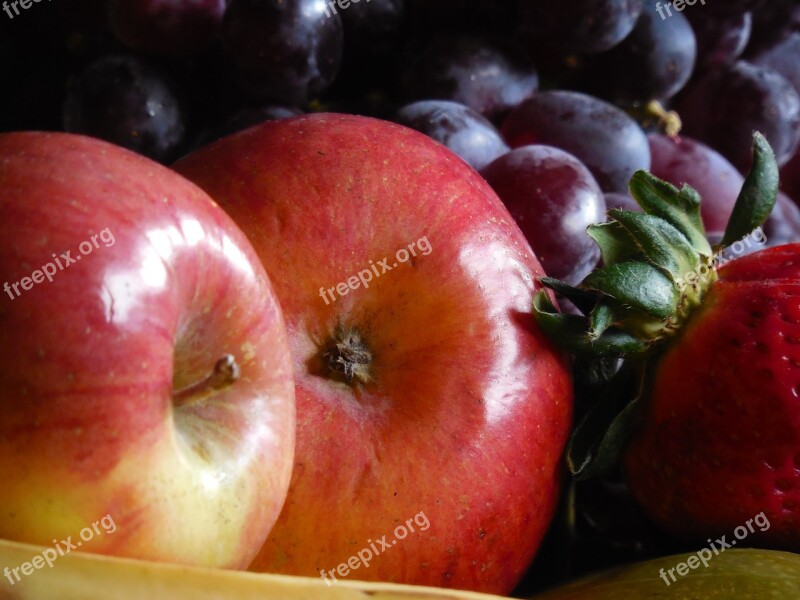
713,437
720,438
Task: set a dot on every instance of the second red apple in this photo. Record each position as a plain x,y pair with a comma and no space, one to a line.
426,392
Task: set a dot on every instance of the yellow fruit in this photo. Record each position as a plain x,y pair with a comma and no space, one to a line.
731,575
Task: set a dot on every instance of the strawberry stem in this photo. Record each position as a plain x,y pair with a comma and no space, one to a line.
658,267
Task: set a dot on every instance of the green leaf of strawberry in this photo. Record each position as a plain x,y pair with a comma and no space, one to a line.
758,195
658,269
679,208
637,285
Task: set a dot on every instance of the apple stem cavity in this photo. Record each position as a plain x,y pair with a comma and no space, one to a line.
226,372
349,356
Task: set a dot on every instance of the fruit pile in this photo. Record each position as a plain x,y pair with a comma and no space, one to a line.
474,295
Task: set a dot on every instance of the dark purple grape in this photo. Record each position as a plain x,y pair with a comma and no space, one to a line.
374,34
783,225
621,201
285,52
755,241
790,177
729,8
127,102
654,62
725,106
772,23
369,23
456,126
174,27
553,198
684,160
783,58
715,237
579,26
604,138
208,82
720,40
488,78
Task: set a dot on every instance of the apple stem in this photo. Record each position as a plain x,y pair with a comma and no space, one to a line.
226,372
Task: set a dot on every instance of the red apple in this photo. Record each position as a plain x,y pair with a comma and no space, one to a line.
426,393
125,289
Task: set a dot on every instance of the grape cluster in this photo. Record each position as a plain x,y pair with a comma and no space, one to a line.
607,82
556,104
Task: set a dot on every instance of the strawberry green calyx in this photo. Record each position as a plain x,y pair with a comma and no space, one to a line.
657,268
657,265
